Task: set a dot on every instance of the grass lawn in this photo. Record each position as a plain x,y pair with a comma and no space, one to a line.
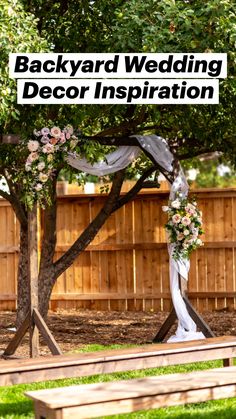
14,405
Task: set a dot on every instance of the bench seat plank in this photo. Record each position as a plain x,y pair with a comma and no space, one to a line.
131,395
107,361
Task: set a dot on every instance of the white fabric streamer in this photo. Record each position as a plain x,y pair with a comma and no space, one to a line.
121,158
187,329
113,162
158,148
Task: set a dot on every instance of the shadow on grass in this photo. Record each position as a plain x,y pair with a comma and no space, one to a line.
16,410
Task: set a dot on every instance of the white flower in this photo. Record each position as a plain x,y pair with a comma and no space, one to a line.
37,133
199,242
27,166
43,177
186,232
165,208
190,206
41,166
33,145
48,148
56,132
38,187
186,221
176,204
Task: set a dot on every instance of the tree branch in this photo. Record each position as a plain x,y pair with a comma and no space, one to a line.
126,127
15,202
90,232
135,189
196,153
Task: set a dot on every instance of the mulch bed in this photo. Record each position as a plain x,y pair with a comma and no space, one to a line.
75,329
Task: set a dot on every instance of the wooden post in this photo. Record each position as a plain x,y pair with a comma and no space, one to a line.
33,277
166,326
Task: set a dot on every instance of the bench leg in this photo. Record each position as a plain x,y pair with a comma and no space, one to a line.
228,362
42,412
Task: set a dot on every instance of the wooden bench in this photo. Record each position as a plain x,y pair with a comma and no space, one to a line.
93,400
108,361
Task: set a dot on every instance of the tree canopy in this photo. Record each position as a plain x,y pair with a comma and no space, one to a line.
134,26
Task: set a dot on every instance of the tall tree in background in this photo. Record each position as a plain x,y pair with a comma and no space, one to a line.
114,26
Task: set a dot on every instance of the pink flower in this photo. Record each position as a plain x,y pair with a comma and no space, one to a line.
48,148
176,218
56,132
186,221
33,145
190,211
62,139
67,135
32,157
38,187
180,236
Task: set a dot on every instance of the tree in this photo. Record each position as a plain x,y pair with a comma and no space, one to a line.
101,26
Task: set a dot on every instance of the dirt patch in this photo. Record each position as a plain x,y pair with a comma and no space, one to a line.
75,329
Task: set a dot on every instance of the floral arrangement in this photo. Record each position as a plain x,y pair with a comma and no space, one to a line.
45,152
184,226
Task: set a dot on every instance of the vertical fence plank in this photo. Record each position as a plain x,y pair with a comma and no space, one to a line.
202,278
193,277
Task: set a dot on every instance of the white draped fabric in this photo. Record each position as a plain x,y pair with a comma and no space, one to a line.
113,162
187,329
121,158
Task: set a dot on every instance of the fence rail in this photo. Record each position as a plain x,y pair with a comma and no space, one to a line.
126,266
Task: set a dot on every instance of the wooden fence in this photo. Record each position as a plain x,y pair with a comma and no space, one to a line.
126,266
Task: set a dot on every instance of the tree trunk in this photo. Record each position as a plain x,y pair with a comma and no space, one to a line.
22,280
46,267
